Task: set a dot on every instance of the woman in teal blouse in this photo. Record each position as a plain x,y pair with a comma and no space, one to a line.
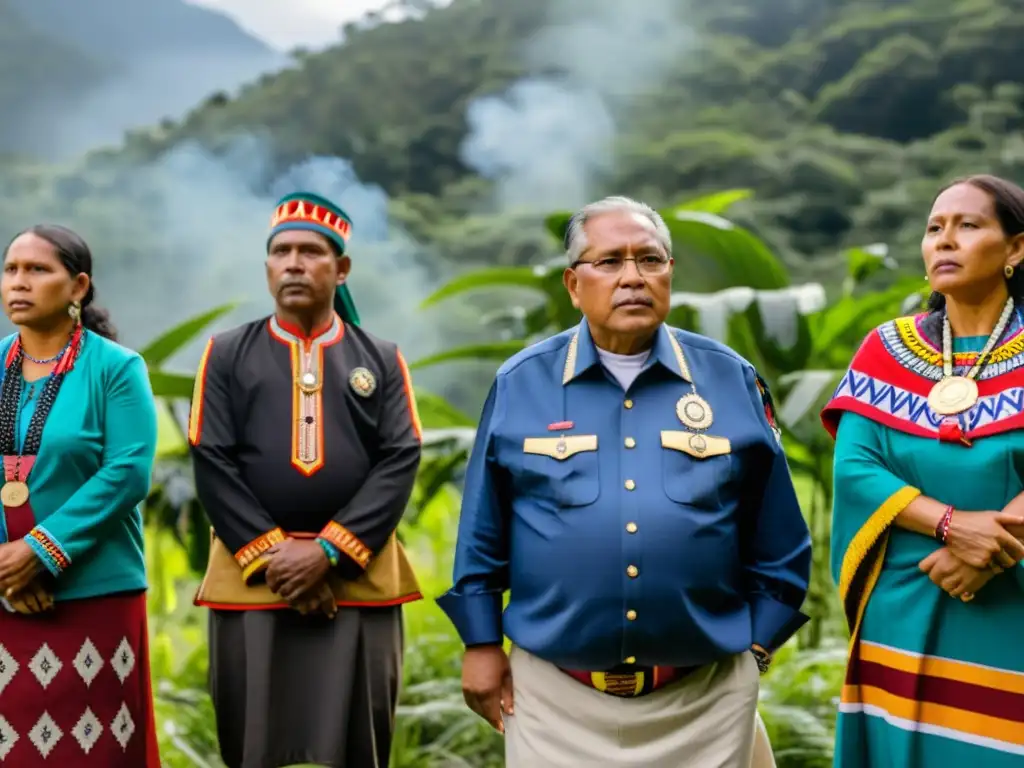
926,550
77,438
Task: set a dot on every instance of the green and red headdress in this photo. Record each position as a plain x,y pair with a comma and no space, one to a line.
306,211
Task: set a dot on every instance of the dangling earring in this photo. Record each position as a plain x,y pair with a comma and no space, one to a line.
1008,271
75,312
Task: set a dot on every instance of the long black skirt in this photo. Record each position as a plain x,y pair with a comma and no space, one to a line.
289,689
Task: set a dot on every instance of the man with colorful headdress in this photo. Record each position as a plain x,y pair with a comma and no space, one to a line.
305,443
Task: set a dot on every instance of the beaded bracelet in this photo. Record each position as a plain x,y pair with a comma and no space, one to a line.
942,529
333,555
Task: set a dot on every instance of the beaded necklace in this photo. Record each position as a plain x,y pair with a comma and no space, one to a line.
14,492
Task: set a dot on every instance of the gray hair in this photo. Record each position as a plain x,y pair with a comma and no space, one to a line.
576,238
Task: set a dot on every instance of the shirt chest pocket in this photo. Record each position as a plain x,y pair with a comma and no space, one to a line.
562,469
696,469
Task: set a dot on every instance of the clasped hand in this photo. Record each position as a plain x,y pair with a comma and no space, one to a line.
979,546
298,572
19,583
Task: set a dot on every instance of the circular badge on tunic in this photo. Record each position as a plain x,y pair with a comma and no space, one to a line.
694,411
362,382
309,383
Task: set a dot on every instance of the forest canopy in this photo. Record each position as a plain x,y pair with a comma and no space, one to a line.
843,118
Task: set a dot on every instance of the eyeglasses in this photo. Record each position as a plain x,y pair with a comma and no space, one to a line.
648,264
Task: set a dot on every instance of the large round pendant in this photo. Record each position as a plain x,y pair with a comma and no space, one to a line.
694,411
953,395
14,494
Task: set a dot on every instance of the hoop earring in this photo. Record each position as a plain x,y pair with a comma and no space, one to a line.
1008,271
75,312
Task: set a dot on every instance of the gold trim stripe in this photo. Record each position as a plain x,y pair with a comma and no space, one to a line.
677,349
570,359
410,397
938,666
870,533
935,715
923,349
195,414
258,565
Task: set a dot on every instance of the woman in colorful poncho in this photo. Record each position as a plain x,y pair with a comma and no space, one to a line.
929,430
77,438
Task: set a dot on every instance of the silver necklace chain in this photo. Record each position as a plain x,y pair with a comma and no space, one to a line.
997,334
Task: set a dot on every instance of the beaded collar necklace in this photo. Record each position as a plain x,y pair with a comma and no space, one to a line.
15,491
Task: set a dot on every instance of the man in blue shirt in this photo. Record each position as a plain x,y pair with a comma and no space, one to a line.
628,488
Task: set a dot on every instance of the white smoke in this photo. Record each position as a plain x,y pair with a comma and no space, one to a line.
188,232
549,141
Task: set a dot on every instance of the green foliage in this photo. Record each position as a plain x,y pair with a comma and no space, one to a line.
842,118
172,341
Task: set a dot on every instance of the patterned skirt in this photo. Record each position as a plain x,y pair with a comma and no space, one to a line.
75,686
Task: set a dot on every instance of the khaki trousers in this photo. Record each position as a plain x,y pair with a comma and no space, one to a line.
706,720
763,756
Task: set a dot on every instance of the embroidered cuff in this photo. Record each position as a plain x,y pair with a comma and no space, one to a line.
347,543
49,552
252,556
333,555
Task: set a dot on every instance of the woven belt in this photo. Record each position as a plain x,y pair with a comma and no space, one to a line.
631,681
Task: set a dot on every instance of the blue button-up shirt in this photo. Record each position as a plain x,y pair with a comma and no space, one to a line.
619,537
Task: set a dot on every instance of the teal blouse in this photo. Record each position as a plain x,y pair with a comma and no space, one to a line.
93,471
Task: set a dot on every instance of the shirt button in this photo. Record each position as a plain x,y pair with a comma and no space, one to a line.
631,659
628,403
633,571
630,485
631,527
631,615
630,442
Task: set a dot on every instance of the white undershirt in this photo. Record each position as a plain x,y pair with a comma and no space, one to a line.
625,368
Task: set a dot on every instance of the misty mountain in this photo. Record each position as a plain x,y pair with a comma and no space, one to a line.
82,74
125,30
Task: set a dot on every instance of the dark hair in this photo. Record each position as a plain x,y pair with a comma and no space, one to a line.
1008,200
76,257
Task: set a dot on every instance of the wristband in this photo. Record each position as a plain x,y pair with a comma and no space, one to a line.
333,555
942,529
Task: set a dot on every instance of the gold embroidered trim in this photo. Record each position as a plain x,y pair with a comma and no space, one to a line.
307,369
570,359
347,542
677,349
923,349
252,551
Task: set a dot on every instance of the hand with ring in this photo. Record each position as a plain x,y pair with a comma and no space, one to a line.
954,576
